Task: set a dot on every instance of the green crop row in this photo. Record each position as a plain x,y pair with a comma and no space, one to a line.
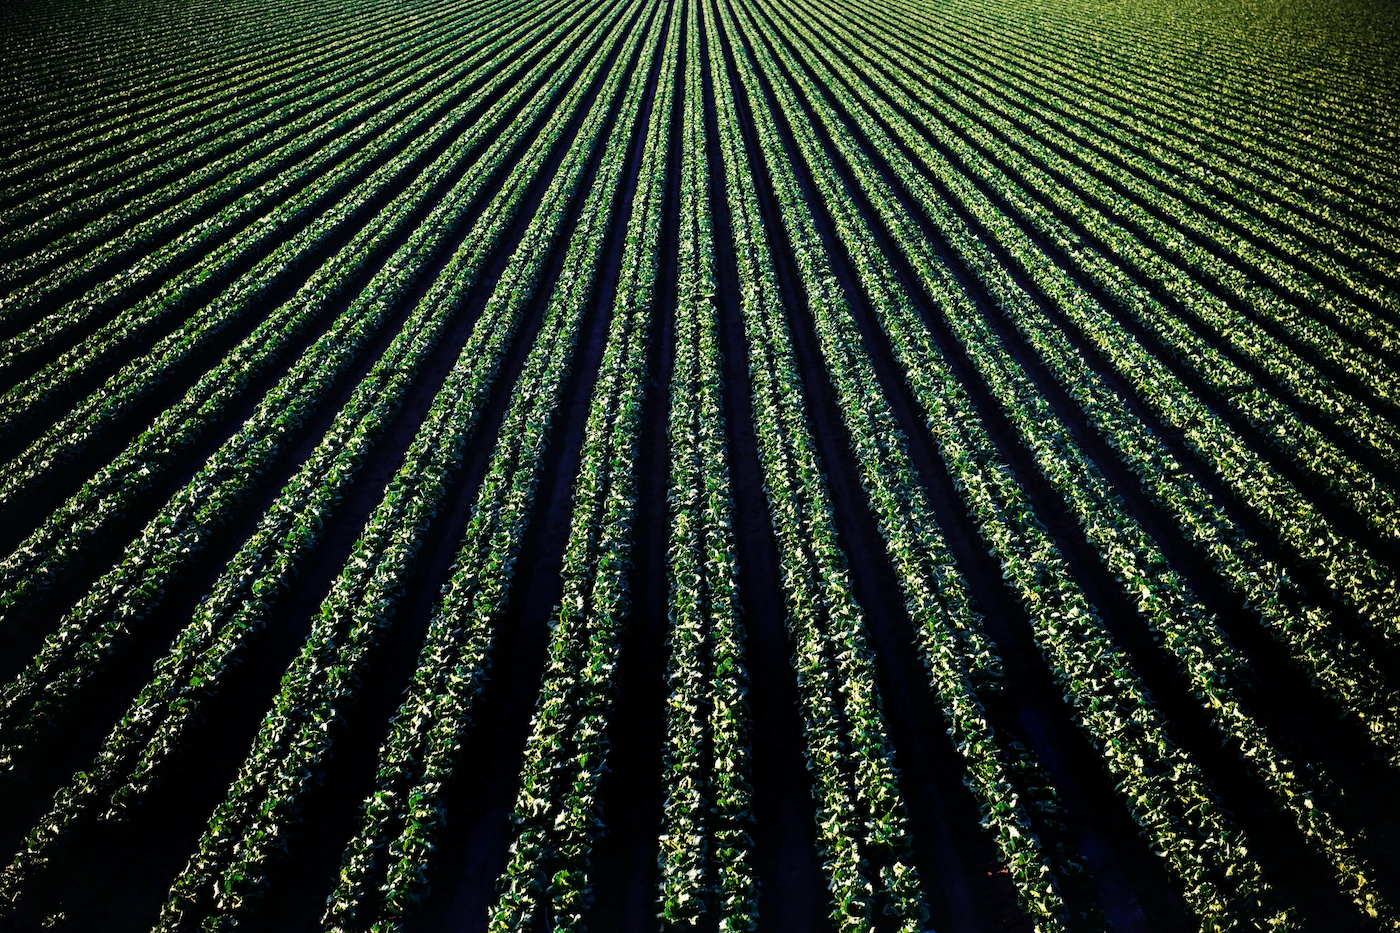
52,550
245,833
1260,135
200,180
558,814
279,216
92,126
861,821
705,849
133,756
84,193
1165,601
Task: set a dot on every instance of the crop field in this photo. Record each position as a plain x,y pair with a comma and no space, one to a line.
700,465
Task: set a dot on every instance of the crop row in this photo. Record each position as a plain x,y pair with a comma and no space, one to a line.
296,738
164,150
1138,214
1342,143
174,538
1188,827
213,172
1292,247
558,811
96,128
1331,657
1165,602
705,848
862,830
1042,315
1346,565
371,235
1273,155
1241,338
160,274
1252,402
131,761
383,870
962,662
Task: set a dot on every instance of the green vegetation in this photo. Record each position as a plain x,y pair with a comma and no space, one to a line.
700,465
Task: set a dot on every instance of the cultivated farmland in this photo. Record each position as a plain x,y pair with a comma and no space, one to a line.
716,465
